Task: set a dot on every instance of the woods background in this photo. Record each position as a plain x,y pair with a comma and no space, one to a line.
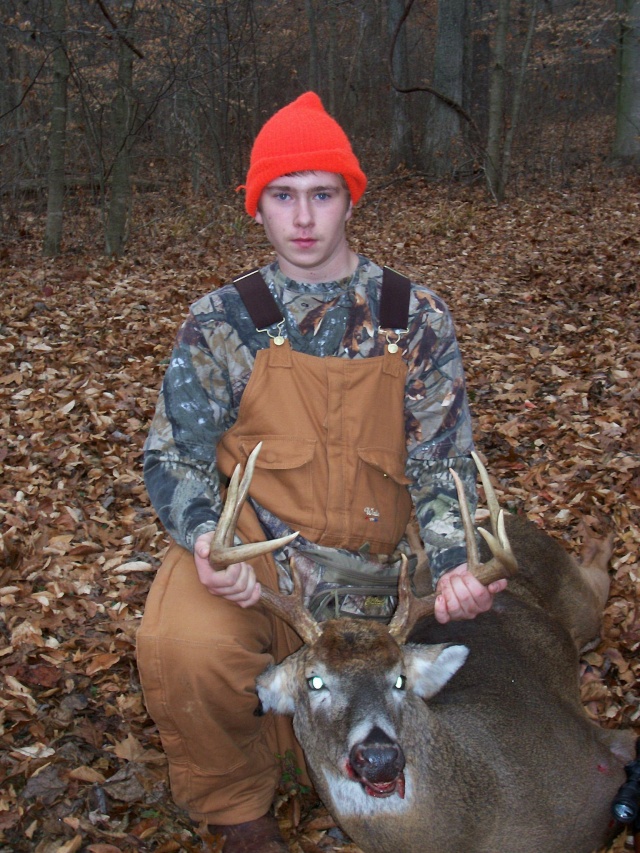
103,100
125,127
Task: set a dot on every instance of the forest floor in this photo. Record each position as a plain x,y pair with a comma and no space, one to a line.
544,292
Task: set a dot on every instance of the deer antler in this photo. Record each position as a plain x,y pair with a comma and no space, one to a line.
222,552
502,564
291,609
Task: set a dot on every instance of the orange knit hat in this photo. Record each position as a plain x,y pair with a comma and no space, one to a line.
301,137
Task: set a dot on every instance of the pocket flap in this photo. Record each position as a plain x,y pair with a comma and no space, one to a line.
388,462
280,451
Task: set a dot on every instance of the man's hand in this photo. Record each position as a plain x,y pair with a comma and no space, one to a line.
236,582
462,596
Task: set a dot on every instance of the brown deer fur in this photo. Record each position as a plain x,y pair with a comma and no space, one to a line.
500,755
470,737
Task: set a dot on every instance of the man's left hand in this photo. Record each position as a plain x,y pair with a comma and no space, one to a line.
462,596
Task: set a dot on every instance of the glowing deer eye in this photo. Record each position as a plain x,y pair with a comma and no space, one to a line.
401,682
315,682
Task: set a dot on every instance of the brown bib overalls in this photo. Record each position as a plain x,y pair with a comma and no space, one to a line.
332,466
334,451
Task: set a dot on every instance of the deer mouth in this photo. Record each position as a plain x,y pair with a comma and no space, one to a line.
377,763
378,788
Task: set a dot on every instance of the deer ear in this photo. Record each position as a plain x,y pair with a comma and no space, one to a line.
276,688
429,668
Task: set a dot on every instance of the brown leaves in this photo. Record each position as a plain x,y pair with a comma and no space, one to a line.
544,295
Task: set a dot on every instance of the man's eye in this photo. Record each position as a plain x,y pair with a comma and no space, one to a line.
323,196
315,682
401,682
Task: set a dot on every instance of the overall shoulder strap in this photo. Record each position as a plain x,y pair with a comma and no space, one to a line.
264,311
394,300
258,300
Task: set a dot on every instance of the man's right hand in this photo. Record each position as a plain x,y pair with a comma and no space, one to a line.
236,582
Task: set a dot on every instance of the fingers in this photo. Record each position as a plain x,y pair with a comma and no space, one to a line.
456,601
462,596
236,582
441,611
203,546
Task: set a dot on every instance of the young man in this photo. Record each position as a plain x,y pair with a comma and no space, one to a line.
361,418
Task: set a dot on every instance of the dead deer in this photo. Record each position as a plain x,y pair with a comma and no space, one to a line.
469,736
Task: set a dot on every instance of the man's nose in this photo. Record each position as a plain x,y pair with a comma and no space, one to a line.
304,212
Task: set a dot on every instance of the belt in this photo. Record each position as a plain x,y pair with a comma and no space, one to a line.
370,595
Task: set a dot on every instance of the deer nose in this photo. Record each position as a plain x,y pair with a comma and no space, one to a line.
378,758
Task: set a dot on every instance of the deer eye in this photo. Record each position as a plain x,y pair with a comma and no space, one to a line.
401,682
315,682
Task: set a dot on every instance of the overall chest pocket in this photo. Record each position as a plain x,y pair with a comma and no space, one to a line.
381,502
282,480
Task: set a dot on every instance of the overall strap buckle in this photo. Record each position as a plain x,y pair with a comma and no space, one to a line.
394,307
265,313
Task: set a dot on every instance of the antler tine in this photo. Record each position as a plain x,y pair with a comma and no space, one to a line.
410,608
222,552
473,557
236,496
490,495
498,542
291,609
226,524
503,564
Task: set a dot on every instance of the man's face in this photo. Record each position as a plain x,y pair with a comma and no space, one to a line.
304,217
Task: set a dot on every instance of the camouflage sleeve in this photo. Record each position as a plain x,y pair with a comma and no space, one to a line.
439,432
197,404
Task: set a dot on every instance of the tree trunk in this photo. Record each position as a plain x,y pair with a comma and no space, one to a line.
517,101
401,148
314,70
626,145
120,195
443,141
332,61
57,134
218,38
493,164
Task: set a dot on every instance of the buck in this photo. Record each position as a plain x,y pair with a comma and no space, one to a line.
470,736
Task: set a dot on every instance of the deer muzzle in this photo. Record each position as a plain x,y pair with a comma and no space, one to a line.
377,763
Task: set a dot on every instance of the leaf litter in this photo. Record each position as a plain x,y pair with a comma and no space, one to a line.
544,292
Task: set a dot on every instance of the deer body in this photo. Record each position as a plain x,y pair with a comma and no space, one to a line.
468,737
500,755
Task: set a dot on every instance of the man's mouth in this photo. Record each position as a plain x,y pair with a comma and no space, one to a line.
305,242
379,788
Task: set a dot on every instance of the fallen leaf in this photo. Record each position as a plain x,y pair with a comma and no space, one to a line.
134,566
87,774
101,662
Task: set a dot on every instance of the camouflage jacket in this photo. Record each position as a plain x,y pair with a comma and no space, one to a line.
211,364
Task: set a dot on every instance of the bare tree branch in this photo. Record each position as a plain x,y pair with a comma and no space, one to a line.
32,83
405,90
117,30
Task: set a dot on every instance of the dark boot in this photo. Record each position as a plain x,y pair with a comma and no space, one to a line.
255,836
